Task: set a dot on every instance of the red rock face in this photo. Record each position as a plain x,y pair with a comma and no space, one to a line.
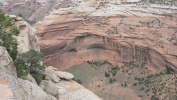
72,38
5,92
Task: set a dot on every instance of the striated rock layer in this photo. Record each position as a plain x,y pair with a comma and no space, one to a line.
117,33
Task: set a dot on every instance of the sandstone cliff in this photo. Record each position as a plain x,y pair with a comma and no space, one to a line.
117,33
27,38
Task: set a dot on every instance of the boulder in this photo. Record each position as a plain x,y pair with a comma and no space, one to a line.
50,97
49,87
51,75
12,16
65,75
31,79
55,75
32,90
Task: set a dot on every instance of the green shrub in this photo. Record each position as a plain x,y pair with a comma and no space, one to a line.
125,85
154,98
142,89
146,91
7,34
110,80
30,62
21,71
107,74
135,84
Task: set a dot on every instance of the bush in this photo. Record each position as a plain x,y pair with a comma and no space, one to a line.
125,85
30,62
146,91
154,98
110,80
135,84
21,71
7,34
107,74
142,88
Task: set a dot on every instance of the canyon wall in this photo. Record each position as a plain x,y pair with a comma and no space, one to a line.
86,34
94,47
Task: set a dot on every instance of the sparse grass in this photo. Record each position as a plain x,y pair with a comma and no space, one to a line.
132,75
113,30
99,63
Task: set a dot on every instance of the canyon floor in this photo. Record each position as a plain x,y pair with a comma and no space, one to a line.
118,51
128,82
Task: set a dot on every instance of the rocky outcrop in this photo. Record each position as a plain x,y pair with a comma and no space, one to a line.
55,75
21,89
31,79
65,88
27,38
49,87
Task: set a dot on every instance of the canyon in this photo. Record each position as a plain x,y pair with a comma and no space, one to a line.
117,33
118,49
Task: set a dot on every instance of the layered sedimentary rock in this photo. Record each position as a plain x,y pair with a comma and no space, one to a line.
117,33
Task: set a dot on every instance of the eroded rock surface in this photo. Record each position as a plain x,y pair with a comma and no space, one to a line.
27,38
117,33
65,88
74,91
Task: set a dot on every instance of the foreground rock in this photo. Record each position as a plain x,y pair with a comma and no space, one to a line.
74,91
5,92
49,87
55,75
59,85
22,89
